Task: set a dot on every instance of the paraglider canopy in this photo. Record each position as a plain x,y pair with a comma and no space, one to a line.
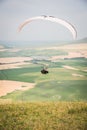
66,24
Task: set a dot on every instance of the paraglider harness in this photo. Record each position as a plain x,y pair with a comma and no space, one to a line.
44,71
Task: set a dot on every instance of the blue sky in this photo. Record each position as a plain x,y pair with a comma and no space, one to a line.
14,12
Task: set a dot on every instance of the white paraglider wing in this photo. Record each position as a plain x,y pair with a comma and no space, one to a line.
68,25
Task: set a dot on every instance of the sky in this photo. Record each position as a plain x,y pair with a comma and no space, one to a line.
14,12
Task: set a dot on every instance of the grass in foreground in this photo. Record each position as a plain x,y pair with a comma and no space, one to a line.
43,116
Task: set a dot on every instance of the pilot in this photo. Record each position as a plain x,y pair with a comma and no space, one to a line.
44,71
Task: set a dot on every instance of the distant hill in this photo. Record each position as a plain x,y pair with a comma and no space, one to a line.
34,44
4,44
84,40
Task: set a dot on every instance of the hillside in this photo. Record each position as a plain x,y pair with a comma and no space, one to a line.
43,116
84,40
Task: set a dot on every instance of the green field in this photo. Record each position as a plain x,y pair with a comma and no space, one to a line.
43,116
58,85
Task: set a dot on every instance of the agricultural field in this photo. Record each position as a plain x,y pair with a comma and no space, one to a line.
66,80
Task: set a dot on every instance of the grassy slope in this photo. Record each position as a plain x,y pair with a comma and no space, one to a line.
43,116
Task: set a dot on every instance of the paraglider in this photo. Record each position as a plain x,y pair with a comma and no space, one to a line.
66,24
44,71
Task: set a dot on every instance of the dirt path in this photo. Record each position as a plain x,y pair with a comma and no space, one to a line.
8,86
69,67
13,62
78,75
14,59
